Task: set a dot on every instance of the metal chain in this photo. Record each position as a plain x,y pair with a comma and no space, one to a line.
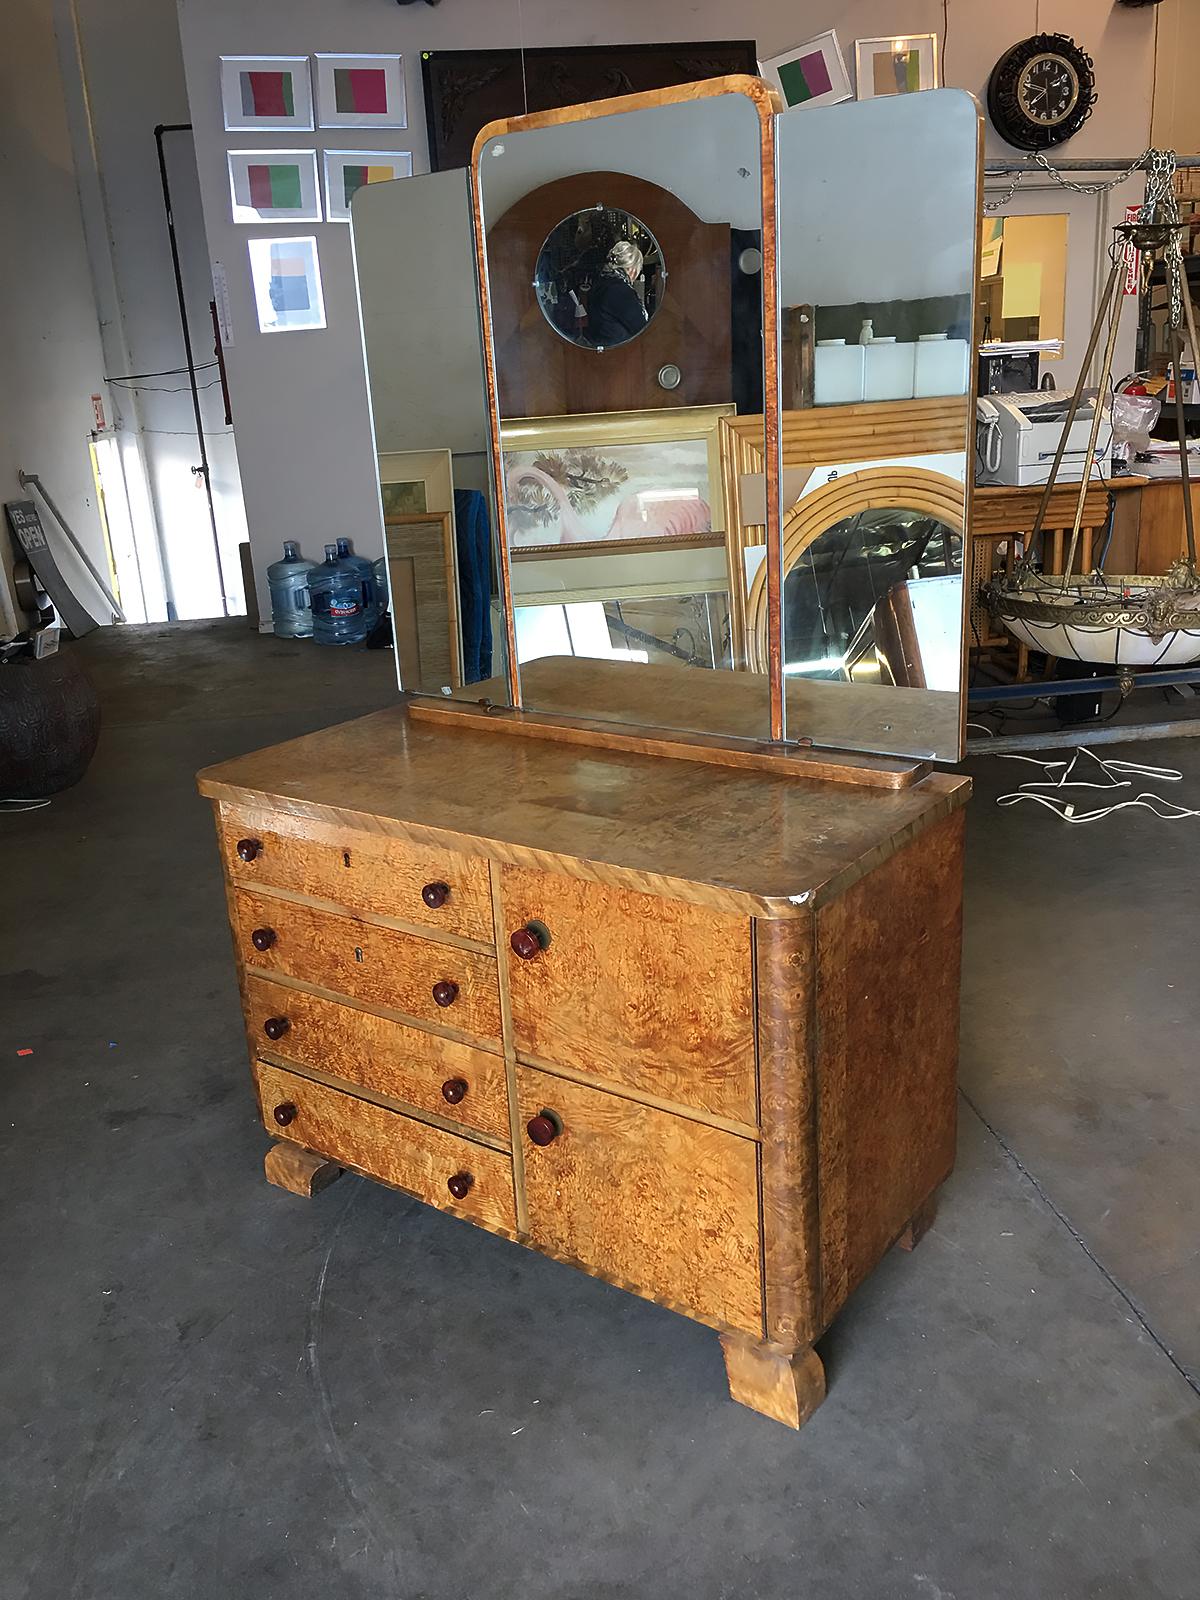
1039,160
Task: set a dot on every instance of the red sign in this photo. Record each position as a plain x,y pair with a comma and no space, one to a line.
1133,256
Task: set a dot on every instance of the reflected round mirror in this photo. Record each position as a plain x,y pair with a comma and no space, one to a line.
600,277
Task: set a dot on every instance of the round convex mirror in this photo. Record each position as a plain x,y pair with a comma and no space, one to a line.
600,278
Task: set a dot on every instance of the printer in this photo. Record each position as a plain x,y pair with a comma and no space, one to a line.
1017,435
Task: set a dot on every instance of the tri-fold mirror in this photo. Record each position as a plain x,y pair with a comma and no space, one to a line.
708,469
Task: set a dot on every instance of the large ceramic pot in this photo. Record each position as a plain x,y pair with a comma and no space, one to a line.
49,725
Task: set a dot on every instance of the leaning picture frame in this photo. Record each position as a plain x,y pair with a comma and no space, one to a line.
905,64
812,74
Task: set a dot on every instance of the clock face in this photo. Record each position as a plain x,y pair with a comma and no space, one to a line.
1048,90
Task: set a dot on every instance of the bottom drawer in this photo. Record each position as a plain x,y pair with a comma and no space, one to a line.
383,1144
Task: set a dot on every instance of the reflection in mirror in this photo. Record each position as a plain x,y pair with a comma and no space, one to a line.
415,260
600,277
877,307
624,286
1023,280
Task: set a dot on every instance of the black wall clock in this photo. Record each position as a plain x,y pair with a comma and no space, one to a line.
1041,91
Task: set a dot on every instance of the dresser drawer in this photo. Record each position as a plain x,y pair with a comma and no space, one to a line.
422,1069
657,994
383,1144
379,966
660,1204
369,872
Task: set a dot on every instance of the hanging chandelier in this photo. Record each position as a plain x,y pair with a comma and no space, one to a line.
1119,620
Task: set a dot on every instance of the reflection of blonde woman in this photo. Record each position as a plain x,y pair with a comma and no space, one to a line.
615,310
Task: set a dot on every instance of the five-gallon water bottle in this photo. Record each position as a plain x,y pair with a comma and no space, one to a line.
366,571
291,608
337,601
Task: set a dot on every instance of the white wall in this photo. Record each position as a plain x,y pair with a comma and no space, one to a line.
50,356
300,400
126,78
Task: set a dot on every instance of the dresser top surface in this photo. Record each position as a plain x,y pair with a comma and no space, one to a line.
745,840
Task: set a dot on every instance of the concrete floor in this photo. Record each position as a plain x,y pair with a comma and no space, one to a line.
213,1389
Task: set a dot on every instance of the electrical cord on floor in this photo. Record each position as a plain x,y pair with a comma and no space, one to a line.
7,806
1065,807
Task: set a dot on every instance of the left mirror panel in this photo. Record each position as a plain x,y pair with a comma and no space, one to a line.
415,259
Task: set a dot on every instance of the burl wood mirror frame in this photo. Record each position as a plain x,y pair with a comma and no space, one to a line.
766,104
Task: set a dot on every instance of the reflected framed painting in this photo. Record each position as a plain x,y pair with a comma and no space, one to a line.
627,478
265,94
348,171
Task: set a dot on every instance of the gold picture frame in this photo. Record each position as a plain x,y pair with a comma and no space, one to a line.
612,431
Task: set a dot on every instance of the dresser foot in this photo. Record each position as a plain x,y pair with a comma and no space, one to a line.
919,1224
289,1167
785,1385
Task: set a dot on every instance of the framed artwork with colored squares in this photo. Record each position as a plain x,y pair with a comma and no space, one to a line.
274,186
903,65
348,171
263,94
287,284
360,92
813,74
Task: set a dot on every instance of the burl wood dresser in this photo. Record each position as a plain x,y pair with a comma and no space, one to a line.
690,1028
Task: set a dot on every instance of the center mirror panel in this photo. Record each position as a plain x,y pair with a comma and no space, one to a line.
878,248
624,287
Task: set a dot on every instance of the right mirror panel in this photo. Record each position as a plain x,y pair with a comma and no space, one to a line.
877,238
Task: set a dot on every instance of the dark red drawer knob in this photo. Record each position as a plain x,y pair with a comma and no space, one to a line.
544,1128
435,895
247,849
445,993
285,1113
454,1090
263,938
460,1185
276,1027
525,944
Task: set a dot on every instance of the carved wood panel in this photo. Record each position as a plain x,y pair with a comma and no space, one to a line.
465,89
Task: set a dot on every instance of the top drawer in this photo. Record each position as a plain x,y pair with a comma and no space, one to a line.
372,872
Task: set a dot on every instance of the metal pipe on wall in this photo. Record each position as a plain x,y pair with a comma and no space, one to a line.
203,468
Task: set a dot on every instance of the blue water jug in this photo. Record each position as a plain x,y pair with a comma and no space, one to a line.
291,606
366,572
337,601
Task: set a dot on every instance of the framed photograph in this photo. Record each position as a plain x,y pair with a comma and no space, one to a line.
903,65
286,274
412,482
348,171
261,94
274,186
360,92
813,74
628,478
